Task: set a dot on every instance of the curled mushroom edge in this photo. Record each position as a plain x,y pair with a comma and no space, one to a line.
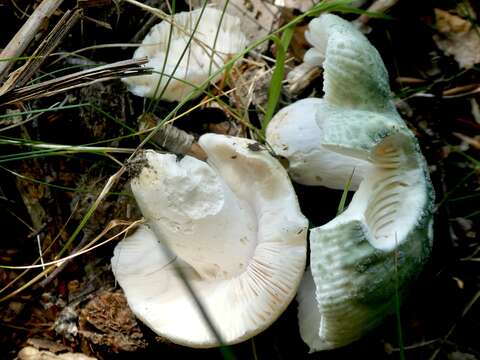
366,257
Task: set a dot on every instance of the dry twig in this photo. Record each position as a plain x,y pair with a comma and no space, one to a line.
20,76
24,36
378,6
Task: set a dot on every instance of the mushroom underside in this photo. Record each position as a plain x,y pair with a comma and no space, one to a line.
362,260
185,56
243,292
238,308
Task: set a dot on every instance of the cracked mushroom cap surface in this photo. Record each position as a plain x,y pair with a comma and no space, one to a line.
234,228
189,62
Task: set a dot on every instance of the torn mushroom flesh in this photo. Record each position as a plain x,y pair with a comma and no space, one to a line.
234,228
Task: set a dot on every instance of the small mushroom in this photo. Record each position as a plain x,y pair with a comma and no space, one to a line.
234,228
362,261
215,40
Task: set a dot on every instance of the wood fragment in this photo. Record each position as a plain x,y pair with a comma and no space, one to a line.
475,142
300,77
24,36
475,110
461,89
406,80
20,76
378,6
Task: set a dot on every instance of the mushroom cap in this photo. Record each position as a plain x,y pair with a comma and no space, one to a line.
357,96
294,134
241,301
354,73
165,47
364,258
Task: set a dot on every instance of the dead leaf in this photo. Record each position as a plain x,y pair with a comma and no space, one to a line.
107,320
299,45
458,37
300,77
448,23
251,85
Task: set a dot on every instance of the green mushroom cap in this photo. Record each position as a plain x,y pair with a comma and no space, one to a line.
365,257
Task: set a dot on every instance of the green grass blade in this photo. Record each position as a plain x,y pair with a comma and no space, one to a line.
64,107
346,189
278,74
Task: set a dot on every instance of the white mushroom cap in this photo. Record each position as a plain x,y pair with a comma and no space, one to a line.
384,237
234,227
216,31
294,134
357,96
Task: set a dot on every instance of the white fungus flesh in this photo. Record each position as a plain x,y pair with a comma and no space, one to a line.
294,134
363,260
183,61
234,228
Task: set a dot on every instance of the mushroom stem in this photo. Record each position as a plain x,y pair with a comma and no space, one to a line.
172,138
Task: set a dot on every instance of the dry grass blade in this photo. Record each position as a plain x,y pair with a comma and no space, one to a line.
79,79
24,36
20,76
71,148
57,263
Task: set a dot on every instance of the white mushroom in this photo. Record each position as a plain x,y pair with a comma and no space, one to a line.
234,228
295,135
364,258
215,40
